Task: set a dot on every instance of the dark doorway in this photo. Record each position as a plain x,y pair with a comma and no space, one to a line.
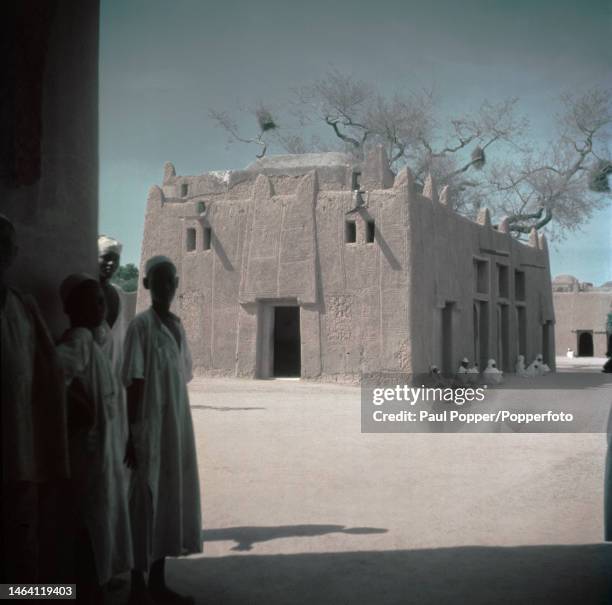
287,358
585,344
503,328
447,339
521,325
547,341
481,333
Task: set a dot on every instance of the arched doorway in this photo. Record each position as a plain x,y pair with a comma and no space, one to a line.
585,344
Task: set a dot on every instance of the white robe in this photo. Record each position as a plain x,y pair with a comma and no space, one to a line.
165,490
34,439
113,340
98,475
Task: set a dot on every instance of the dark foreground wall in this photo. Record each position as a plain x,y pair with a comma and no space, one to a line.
49,146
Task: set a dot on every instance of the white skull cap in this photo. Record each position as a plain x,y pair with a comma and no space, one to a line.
108,244
71,282
155,261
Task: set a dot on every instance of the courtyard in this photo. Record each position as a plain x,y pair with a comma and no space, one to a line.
300,507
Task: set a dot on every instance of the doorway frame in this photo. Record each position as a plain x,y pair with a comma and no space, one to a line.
264,356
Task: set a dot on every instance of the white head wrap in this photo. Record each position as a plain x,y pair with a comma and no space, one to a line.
108,244
71,282
155,261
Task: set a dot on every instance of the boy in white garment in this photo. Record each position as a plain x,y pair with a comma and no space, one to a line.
99,489
165,490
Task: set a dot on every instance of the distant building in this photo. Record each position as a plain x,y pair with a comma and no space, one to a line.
279,277
583,316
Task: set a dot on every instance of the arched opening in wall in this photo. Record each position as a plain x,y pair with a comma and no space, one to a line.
585,343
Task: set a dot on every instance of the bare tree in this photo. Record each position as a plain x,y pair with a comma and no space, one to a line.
567,179
484,157
265,122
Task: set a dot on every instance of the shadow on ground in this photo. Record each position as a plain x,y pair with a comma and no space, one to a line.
225,408
474,575
245,537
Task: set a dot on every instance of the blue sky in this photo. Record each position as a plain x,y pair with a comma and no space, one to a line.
164,64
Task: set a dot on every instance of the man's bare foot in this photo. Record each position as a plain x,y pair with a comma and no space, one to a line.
163,595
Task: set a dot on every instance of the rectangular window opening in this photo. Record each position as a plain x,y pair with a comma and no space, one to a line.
481,277
370,231
191,239
519,285
184,189
356,181
502,281
350,232
207,233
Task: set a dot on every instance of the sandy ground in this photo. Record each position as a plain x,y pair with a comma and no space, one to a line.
300,507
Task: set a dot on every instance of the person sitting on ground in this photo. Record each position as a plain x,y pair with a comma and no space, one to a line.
473,374
544,369
519,368
99,489
462,370
492,374
534,369
570,353
34,431
165,490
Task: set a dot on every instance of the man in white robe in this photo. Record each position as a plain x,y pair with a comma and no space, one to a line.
99,486
165,491
115,323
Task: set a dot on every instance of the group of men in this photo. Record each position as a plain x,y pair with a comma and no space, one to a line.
103,414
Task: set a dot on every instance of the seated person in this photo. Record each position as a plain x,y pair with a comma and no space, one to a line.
520,368
492,374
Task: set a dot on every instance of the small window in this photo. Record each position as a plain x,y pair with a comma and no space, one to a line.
350,232
191,239
356,181
201,206
370,231
184,189
502,281
207,233
481,277
519,285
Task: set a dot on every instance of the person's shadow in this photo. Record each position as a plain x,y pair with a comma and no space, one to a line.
245,537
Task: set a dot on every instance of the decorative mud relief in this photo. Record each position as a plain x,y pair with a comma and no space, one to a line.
339,317
404,356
